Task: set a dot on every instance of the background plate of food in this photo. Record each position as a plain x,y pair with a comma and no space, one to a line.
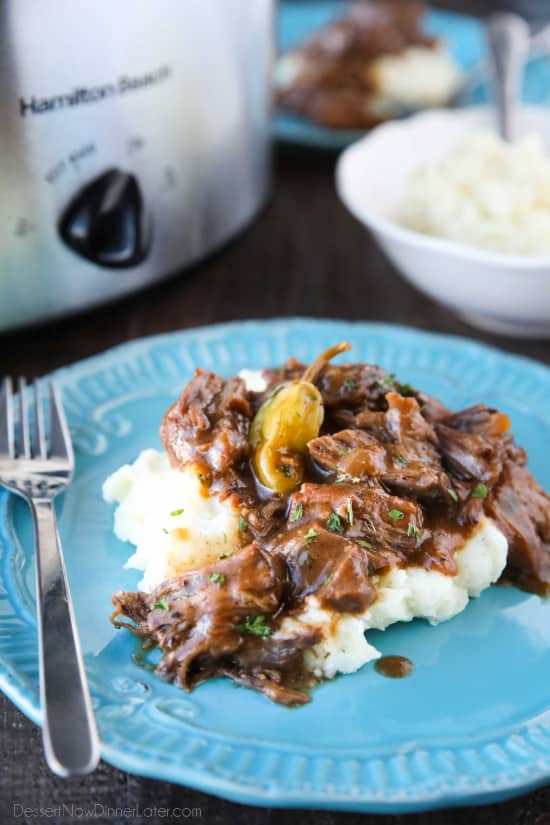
345,67
471,723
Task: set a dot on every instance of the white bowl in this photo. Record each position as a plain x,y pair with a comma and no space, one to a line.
503,293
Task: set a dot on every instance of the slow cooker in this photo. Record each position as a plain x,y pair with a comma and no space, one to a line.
134,141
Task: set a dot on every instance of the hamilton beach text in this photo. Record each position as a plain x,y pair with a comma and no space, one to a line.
92,94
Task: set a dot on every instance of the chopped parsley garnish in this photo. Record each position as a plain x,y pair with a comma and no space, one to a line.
345,452
349,384
350,511
255,626
401,460
413,532
405,389
372,568
217,578
390,381
286,470
480,491
334,524
341,479
297,513
387,381
327,580
453,494
310,536
366,544
162,604
177,512
243,524
396,515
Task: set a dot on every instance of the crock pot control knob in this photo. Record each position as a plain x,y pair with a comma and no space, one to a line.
106,221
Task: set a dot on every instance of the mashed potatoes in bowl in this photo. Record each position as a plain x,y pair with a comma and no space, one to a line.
485,193
445,223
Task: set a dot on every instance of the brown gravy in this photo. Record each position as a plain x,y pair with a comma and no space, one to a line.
395,667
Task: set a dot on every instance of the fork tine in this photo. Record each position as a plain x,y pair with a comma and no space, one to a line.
39,417
6,418
60,440
24,441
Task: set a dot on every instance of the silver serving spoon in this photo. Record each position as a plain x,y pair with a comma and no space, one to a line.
508,38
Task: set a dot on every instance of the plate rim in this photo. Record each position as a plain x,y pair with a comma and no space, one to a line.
281,320
446,793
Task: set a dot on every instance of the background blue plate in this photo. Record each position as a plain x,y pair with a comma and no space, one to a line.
464,36
473,722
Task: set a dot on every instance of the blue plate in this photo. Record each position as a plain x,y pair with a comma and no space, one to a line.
471,725
464,36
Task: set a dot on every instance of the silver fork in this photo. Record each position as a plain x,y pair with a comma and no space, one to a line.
38,468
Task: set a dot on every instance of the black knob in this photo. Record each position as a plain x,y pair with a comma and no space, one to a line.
107,222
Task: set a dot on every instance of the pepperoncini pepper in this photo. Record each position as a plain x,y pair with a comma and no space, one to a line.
287,420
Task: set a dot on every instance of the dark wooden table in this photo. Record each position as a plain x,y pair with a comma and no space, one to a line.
304,256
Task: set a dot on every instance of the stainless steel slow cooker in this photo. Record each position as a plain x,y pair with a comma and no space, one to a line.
134,140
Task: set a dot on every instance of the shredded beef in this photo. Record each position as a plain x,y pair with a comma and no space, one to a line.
400,451
209,424
197,620
522,511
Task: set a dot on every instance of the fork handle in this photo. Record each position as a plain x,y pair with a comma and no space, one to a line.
71,743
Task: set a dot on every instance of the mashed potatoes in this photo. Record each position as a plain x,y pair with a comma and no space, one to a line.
485,193
418,78
164,513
